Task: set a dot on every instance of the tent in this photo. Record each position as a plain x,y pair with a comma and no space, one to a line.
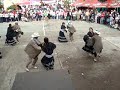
77,3
24,2
97,4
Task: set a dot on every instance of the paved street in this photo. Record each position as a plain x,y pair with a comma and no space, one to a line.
86,74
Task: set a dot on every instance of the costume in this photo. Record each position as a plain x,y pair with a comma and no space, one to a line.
62,37
9,36
48,59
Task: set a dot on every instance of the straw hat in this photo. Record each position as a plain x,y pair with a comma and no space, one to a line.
70,24
35,35
16,22
97,32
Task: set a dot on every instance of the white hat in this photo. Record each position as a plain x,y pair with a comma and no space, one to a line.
70,24
16,22
97,32
35,35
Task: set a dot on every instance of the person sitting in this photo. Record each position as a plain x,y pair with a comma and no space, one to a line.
48,59
62,37
24,19
10,36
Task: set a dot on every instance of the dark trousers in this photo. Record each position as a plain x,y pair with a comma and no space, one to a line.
0,55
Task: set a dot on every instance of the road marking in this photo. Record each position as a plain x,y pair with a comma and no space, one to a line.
112,43
60,63
44,28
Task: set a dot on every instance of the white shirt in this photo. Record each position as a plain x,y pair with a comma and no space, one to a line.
11,15
1,15
6,15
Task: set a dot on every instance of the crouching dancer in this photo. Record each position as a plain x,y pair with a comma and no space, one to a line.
48,59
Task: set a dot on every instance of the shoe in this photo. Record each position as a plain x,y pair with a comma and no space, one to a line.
35,67
95,60
90,54
0,57
51,68
99,55
27,69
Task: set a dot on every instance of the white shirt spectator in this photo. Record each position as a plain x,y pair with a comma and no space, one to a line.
6,15
11,15
16,15
1,15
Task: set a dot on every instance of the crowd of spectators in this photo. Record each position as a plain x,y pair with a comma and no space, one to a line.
36,13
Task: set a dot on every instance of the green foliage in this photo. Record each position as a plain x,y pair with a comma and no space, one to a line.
67,4
12,7
1,5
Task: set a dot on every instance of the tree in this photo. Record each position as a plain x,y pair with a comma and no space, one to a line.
67,4
1,5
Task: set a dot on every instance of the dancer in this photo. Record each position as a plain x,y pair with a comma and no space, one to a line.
33,49
62,37
71,30
48,59
10,36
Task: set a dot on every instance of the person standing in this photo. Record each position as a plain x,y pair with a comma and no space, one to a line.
19,16
62,37
97,45
33,49
1,17
48,59
71,30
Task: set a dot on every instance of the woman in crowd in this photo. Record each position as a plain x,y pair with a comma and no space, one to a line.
62,37
9,36
48,59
